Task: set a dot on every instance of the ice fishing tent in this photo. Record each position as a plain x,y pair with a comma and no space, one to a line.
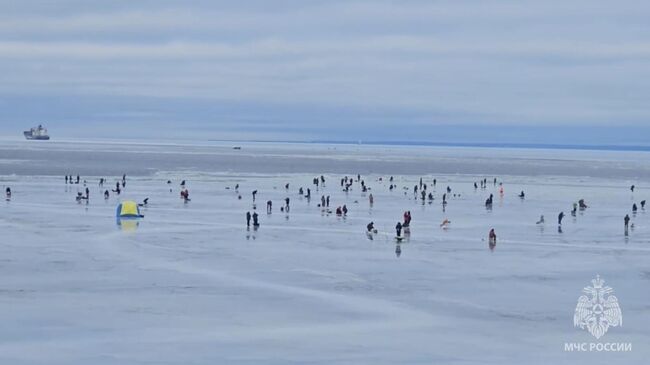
128,209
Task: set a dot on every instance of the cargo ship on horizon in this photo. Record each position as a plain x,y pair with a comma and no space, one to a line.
37,133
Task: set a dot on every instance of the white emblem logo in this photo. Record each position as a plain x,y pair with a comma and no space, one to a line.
597,310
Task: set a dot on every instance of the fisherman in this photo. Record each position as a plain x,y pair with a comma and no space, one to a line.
8,192
371,199
339,211
300,191
398,229
488,202
322,201
269,207
144,202
66,179
248,219
87,193
106,194
475,186
308,196
254,194
345,210
327,201
78,178
632,188
236,187
370,227
626,220
559,218
286,204
634,208
541,220
286,186
522,195
582,204
434,183
642,204
256,223
492,236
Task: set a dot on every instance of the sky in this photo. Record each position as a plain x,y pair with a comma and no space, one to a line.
530,71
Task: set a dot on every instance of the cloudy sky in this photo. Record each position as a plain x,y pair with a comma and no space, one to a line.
552,71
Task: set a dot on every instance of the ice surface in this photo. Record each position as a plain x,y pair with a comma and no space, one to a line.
191,285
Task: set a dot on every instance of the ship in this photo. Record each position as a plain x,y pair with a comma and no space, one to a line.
38,133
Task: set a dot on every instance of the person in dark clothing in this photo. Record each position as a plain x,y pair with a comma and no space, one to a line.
634,208
248,219
106,194
559,218
345,210
398,229
632,188
256,223
286,204
642,204
66,179
522,195
254,194
370,227
269,206
626,220
8,192
78,178
492,236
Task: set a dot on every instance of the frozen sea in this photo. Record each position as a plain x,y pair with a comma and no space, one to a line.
191,285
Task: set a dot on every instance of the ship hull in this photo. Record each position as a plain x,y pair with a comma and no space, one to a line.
30,137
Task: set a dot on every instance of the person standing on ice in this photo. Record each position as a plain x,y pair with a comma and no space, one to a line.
248,219
626,220
398,229
254,194
269,207
541,219
8,193
371,199
632,188
106,194
559,218
492,236
634,208
256,223
286,204
642,204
